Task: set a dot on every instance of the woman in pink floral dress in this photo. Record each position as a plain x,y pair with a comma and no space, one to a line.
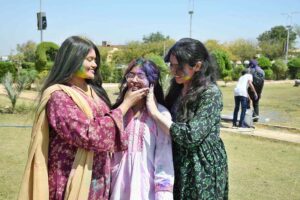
144,171
77,68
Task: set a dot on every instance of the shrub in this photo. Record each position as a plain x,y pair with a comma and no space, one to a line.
264,62
279,69
237,72
223,62
28,65
268,74
7,67
294,67
14,89
45,52
30,75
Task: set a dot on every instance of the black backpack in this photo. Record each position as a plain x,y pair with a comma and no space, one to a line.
258,78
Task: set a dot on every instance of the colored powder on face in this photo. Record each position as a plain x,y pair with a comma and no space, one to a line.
81,73
186,76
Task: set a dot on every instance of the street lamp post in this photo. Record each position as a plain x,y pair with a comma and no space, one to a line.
289,26
191,12
191,16
40,19
287,44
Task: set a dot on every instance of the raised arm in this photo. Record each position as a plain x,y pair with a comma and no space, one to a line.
71,124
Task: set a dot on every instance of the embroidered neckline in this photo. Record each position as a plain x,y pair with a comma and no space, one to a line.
130,129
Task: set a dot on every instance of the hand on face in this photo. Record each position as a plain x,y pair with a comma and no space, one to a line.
133,96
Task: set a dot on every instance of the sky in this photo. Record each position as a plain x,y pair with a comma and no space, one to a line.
122,21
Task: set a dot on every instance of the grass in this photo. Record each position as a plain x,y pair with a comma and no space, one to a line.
279,105
259,169
262,169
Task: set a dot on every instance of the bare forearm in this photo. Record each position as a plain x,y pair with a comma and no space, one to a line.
163,122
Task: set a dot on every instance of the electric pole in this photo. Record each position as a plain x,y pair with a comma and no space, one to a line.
288,27
40,19
191,12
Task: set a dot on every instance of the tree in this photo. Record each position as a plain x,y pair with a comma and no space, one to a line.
28,50
273,42
212,45
224,65
155,37
242,49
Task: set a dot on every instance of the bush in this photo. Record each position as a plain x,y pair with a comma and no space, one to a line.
268,74
7,67
107,72
264,62
28,65
237,72
279,69
45,52
30,75
223,62
294,67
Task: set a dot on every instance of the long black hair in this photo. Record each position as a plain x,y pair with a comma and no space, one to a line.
190,51
153,76
69,59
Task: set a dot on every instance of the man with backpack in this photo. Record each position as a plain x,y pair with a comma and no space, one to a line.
258,75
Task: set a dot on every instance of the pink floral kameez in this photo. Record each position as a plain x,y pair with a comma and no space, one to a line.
70,129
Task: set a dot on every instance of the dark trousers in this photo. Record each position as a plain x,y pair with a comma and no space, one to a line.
243,101
255,104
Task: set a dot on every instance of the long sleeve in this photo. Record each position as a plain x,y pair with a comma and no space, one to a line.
204,122
71,124
164,171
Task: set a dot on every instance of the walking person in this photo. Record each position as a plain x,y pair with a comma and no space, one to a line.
195,101
258,75
145,170
241,98
74,129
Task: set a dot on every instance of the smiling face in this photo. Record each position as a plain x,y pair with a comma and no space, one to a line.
182,76
136,79
87,70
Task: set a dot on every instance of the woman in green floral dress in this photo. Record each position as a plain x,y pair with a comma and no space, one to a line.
195,101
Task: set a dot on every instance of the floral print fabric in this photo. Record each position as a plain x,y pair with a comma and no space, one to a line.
70,129
200,160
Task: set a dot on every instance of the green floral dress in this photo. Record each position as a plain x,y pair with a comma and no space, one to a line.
200,160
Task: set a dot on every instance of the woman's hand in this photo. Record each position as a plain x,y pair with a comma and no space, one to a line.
151,102
132,97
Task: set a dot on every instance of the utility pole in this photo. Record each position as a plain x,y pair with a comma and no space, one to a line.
191,12
41,29
288,27
287,44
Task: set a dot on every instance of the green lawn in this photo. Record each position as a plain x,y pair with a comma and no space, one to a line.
259,169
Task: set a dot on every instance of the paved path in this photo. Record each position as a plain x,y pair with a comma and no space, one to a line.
282,134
